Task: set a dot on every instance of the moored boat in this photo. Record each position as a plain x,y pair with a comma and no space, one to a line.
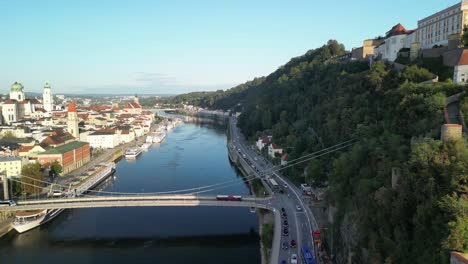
132,153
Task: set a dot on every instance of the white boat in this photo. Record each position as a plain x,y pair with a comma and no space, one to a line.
146,146
27,220
132,153
149,139
159,137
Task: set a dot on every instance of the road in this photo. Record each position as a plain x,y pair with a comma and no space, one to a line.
301,223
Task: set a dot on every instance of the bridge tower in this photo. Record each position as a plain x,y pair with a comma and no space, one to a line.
6,192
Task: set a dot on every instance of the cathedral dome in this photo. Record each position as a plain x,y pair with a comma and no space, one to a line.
46,86
17,87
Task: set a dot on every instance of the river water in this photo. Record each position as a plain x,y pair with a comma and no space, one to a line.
193,155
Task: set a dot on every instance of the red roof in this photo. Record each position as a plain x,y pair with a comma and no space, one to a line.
71,107
285,157
25,148
132,105
34,101
274,146
463,60
10,101
398,29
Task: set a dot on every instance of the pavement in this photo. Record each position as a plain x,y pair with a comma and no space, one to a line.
301,223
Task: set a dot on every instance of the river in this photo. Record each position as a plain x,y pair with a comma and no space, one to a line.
192,155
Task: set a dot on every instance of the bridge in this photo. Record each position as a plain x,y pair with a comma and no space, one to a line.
135,200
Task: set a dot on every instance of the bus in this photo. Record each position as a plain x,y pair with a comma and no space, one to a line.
274,184
307,255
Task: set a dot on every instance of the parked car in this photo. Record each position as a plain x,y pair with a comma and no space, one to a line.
298,208
284,245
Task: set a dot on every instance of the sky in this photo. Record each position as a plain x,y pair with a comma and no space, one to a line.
174,46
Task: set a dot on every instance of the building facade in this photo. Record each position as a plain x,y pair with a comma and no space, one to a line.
438,28
10,166
103,139
70,156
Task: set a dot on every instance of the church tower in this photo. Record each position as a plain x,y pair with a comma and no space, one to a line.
72,122
17,92
47,99
135,99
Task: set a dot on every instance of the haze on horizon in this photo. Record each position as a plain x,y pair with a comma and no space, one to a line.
169,47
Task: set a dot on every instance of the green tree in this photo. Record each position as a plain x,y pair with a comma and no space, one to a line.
55,167
32,177
9,134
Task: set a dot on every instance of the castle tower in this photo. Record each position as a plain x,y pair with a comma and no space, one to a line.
47,99
72,122
17,92
135,99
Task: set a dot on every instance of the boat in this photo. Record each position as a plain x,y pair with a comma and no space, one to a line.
132,153
159,137
146,146
27,220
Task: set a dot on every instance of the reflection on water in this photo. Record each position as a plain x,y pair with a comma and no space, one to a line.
193,155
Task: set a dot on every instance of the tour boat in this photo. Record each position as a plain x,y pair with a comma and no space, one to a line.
146,146
132,153
159,137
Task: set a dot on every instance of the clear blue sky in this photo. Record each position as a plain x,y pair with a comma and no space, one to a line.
173,46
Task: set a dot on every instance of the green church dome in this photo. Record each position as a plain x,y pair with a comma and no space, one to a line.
17,87
46,86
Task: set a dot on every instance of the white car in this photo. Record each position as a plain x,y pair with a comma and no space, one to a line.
298,208
294,259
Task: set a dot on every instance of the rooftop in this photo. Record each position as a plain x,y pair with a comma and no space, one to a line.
9,158
65,148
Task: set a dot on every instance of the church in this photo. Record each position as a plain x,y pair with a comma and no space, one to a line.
18,107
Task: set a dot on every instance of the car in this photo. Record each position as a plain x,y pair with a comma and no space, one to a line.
294,259
284,245
255,158
7,203
298,208
285,185
282,209
281,191
285,223
293,243
284,215
285,232
283,262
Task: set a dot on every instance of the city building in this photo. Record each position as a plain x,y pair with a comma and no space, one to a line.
133,107
105,138
17,107
10,166
441,27
395,40
460,71
70,156
263,142
47,98
274,149
72,120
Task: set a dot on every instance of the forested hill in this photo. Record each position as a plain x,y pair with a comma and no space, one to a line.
313,102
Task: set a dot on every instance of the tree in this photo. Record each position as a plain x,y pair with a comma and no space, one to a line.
32,177
55,167
9,134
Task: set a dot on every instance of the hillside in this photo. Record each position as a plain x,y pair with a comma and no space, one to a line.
313,102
